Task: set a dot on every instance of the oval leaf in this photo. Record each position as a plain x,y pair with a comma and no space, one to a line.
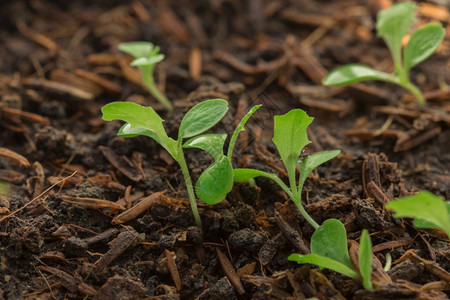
425,206
289,136
211,143
330,240
310,162
423,42
216,182
355,73
324,262
365,259
137,49
202,117
144,61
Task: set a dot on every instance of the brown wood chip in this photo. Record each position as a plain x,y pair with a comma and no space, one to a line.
172,266
122,163
15,157
58,88
91,202
138,209
70,282
229,271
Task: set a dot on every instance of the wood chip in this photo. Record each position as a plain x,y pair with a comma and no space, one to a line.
36,37
229,271
125,166
70,282
172,266
91,202
15,157
409,142
12,176
391,245
173,25
19,115
142,206
195,63
75,81
58,88
108,86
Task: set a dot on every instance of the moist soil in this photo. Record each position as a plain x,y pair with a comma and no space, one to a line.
60,234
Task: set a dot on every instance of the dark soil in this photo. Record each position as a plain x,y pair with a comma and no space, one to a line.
59,64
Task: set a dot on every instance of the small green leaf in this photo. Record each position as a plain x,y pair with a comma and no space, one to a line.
310,162
137,116
216,182
239,129
353,73
128,132
419,223
242,175
324,262
144,61
137,49
393,23
330,240
211,143
202,117
425,206
365,259
290,137
423,42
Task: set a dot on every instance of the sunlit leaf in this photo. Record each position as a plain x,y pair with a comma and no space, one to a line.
330,240
137,116
423,42
425,206
310,162
324,262
143,61
215,182
202,117
211,143
353,73
242,175
392,25
137,49
365,259
290,137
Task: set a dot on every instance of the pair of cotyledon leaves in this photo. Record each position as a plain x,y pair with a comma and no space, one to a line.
392,25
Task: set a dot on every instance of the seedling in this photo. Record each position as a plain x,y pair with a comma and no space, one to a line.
428,210
290,138
146,56
329,250
142,120
392,25
217,180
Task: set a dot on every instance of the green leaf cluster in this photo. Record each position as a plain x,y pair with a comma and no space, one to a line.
392,25
329,250
290,137
142,120
427,209
146,56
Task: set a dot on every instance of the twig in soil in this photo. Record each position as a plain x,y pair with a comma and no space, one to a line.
37,197
429,266
14,156
138,209
171,265
91,202
71,283
229,271
391,245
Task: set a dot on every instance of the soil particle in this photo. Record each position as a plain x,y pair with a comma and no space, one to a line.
54,143
194,235
247,239
222,289
123,288
75,247
270,248
367,216
192,280
24,242
406,270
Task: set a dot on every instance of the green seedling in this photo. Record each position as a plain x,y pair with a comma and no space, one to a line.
142,120
392,25
217,180
428,210
329,250
290,138
146,56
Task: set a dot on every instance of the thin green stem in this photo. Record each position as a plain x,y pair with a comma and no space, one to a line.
415,91
304,213
189,187
157,94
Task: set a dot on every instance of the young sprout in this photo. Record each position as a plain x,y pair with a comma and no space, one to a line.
290,138
146,56
329,250
142,120
428,210
392,25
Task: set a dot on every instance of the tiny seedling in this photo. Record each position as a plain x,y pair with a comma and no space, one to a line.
142,120
427,209
290,138
392,25
146,56
329,250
